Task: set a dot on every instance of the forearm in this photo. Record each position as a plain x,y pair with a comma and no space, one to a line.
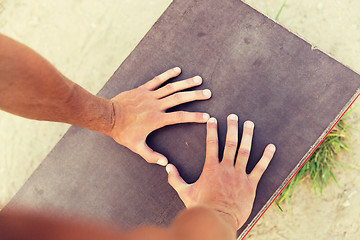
191,224
31,87
203,223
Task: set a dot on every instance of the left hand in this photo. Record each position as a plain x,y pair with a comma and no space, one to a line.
224,186
140,111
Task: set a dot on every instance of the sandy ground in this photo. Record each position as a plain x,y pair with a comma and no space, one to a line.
87,41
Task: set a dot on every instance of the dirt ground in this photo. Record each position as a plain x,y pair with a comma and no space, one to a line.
87,41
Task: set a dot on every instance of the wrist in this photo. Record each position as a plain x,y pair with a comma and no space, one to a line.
112,117
89,111
106,124
230,219
202,221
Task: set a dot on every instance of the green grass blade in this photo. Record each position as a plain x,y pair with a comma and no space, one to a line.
280,10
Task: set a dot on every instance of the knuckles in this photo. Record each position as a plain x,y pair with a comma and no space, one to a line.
178,97
244,151
231,144
157,79
212,141
181,116
170,87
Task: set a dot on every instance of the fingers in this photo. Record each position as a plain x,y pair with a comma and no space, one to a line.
185,117
158,80
177,86
245,146
261,166
212,143
150,155
174,178
231,140
184,97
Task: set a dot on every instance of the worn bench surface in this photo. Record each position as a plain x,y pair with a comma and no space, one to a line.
254,67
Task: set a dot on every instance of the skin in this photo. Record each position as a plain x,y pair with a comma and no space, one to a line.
128,117
217,204
225,186
140,111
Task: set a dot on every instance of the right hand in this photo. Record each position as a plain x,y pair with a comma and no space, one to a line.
224,186
142,110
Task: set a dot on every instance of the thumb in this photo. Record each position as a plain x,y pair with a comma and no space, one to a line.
150,155
174,178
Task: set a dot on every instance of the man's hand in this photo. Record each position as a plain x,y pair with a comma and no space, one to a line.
140,111
224,186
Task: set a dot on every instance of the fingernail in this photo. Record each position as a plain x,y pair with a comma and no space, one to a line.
233,117
177,69
197,79
212,120
162,162
168,169
207,92
206,116
249,124
272,148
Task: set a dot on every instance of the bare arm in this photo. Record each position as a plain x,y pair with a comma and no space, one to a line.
31,87
192,224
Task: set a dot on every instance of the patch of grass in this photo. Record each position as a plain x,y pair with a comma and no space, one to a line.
321,165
